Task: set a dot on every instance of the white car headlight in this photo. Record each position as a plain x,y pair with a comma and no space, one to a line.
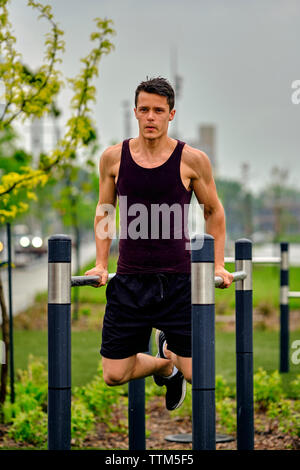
37,242
24,241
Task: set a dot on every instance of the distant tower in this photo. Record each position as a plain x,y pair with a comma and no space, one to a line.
127,119
177,85
247,203
37,138
208,143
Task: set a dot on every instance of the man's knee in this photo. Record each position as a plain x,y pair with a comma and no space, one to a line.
116,372
113,379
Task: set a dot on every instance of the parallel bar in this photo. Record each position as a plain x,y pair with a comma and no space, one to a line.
91,280
294,295
244,348
237,276
84,280
284,309
258,260
203,347
87,280
59,343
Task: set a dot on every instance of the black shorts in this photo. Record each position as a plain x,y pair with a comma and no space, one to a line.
136,303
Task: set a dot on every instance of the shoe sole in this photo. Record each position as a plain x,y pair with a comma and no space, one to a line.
157,378
157,334
182,396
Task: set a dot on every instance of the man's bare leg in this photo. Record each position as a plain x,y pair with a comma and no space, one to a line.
184,364
120,371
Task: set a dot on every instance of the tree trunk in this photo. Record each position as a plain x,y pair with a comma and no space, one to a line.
5,339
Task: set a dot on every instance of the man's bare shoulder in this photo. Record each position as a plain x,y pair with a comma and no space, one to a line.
196,159
110,158
112,153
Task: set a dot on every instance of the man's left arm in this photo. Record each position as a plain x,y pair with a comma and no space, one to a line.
205,190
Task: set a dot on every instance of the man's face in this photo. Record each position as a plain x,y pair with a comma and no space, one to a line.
153,115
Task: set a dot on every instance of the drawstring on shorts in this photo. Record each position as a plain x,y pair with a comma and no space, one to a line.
163,282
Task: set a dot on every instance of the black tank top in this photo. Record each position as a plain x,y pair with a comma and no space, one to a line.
165,251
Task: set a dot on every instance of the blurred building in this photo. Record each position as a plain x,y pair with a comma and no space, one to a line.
206,141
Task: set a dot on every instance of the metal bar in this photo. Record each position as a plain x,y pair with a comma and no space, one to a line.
294,295
258,260
203,346
244,348
237,276
11,322
59,343
91,280
84,280
87,280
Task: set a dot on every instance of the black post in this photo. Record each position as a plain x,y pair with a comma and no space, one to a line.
59,342
136,414
284,308
244,347
203,343
11,322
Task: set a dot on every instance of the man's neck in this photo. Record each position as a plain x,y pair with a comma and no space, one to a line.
153,147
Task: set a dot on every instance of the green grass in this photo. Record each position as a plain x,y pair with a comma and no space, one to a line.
265,355
266,289
85,352
86,345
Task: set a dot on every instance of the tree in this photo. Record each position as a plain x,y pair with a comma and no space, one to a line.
74,204
232,197
29,95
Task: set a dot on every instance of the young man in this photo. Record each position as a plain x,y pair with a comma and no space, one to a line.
152,286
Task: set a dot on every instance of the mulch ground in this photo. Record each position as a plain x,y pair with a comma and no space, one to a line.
161,423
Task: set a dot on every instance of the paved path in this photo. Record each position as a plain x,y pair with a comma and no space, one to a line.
28,281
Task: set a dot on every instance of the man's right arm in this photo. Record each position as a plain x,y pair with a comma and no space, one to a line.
105,214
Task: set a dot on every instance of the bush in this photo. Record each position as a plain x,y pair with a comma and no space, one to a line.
28,415
82,421
222,389
226,414
31,389
267,389
30,426
296,386
286,415
103,401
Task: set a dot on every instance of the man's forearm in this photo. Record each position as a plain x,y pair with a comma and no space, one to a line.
216,226
102,246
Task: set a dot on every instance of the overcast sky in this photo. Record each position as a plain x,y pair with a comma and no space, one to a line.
238,59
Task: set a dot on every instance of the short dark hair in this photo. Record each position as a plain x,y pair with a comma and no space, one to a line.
159,86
